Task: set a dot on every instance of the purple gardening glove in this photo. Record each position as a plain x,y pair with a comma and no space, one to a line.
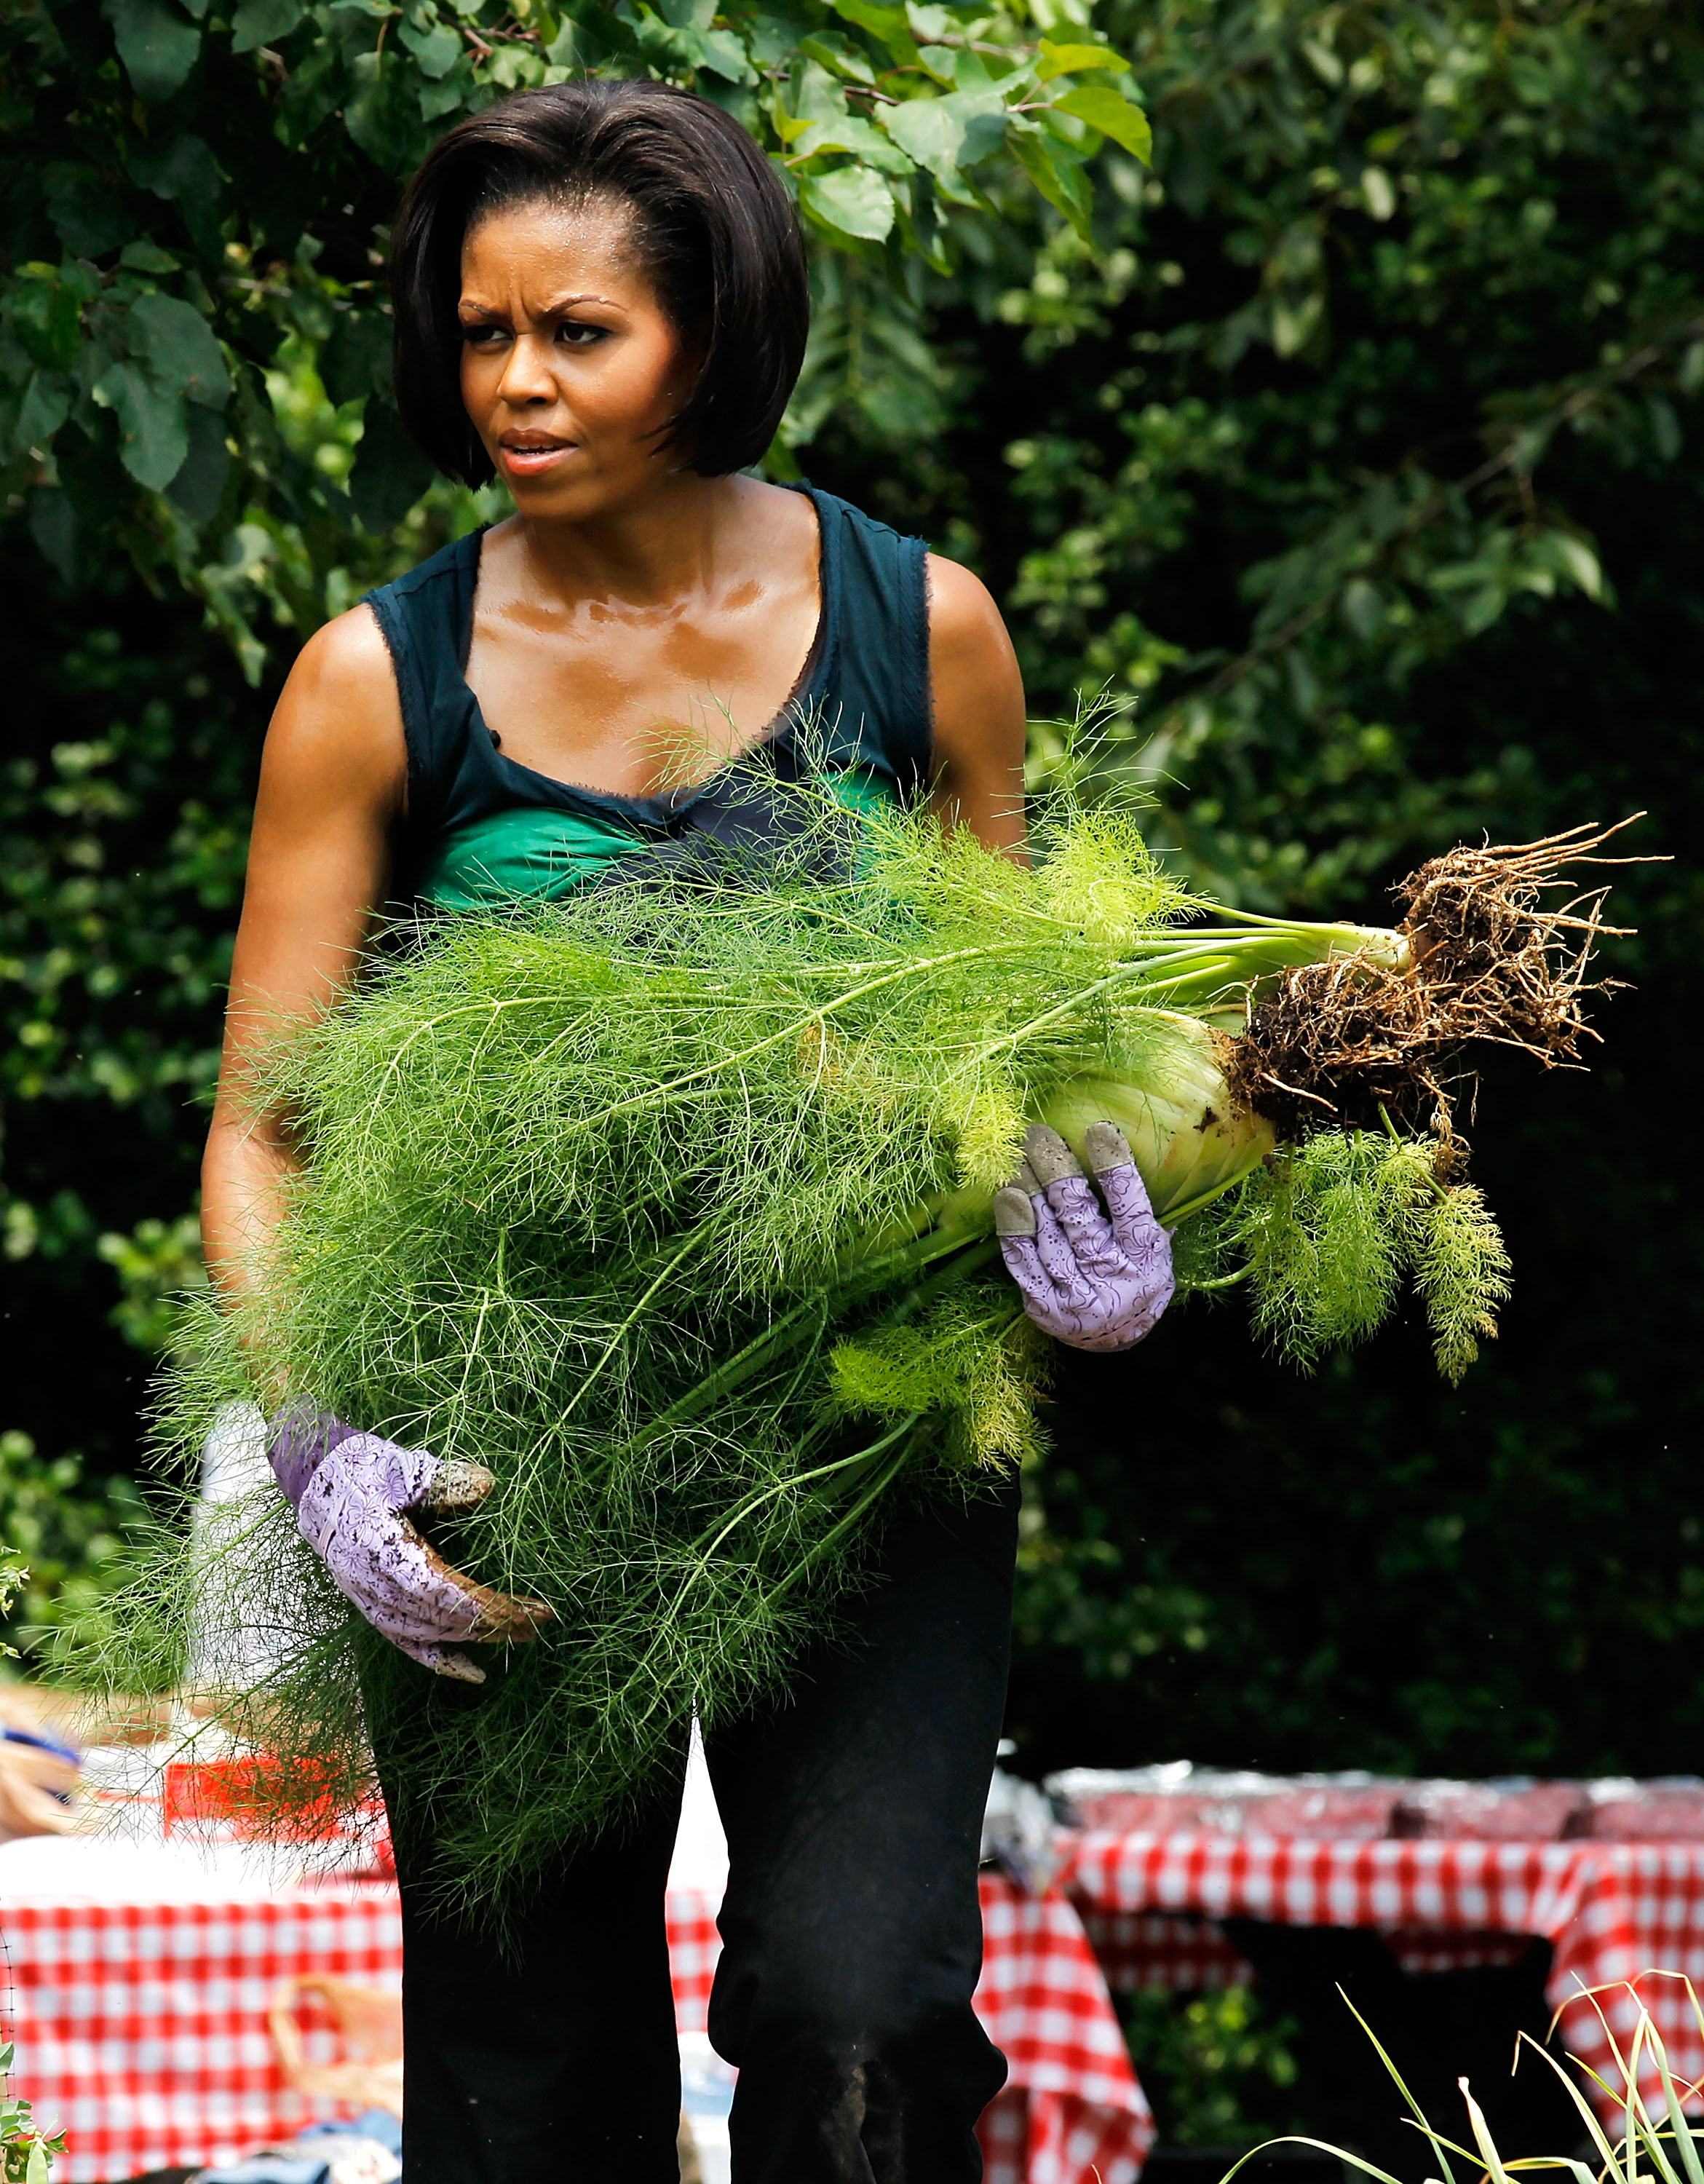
351,1492
1096,1280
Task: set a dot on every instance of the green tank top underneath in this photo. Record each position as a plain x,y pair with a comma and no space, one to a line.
532,853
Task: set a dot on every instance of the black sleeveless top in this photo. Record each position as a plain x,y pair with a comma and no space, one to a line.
481,829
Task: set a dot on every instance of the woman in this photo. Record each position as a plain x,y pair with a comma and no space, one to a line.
600,298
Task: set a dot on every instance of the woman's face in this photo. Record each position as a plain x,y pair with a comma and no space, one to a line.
568,363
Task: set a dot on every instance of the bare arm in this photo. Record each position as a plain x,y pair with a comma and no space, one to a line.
979,709
331,783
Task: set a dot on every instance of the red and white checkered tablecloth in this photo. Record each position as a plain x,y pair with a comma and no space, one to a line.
1610,1911
1072,2105
1187,1953
142,2027
1072,2109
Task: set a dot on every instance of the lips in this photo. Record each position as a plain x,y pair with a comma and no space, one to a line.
526,456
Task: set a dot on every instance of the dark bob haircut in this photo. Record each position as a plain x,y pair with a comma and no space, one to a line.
713,224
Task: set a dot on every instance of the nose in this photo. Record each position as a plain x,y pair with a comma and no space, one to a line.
527,375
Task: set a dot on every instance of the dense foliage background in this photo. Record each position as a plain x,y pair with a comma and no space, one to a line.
1355,445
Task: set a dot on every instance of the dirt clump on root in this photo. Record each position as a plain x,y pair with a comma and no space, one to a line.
1333,1043
1496,957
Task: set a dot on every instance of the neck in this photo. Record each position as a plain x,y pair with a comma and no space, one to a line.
661,546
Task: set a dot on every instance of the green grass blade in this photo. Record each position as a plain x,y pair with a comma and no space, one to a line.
1419,2118
1588,2114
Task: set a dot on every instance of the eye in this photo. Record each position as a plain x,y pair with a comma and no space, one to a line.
482,335
575,333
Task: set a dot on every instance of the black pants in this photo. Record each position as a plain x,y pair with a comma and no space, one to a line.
852,1934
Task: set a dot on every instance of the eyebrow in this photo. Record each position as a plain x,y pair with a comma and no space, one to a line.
560,303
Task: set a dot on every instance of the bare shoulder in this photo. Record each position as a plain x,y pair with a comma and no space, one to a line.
344,659
962,607
332,778
977,693
338,717
971,654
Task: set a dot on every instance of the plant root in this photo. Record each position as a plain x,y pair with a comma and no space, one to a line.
1352,1044
1336,1046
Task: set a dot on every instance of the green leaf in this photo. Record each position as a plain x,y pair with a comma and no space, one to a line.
1363,609
1572,558
1113,115
154,428
673,49
176,344
1069,60
450,93
929,24
888,25
157,47
723,53
435,50
175,166
971,71
183,170
47,311
837,57
390,473
383,115
89,218
1057,173
853,199
773,40
983,112
1377,191
1322,60
787,126
45,405
94,357
850,134
262,22
1295,317
514,67
313,91
930,132
356,359
198,487
53,533
1666,435
820,98
146,257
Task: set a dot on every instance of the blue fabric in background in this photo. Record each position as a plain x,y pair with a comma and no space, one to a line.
44,1744
372,2123
307,2159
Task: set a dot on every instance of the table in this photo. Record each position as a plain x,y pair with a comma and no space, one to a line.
1611,1912
1072,2109
142,2027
